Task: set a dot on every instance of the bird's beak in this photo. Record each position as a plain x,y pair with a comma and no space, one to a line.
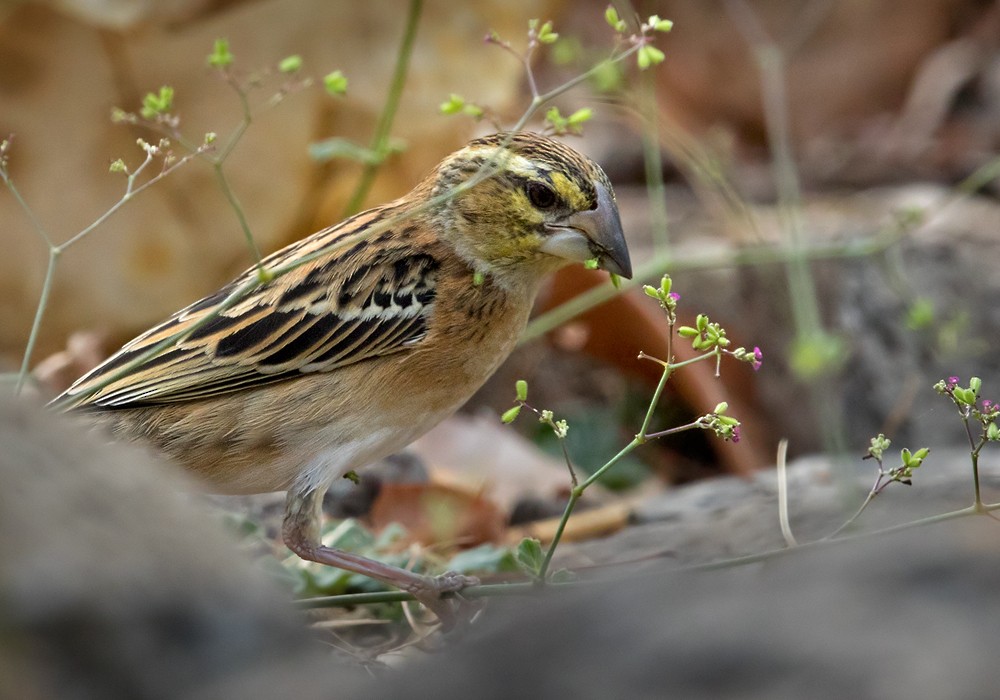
595,233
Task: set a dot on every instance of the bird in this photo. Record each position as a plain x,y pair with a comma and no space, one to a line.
345,346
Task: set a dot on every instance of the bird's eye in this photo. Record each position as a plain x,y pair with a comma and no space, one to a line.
541,195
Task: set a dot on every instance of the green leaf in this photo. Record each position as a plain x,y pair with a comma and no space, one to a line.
335,83
975,385
607,76
963,396
155,104
453,105
529,556
562,576
221,56
486,558
817,355
920,315
349,535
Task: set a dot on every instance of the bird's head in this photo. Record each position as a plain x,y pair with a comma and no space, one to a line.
526,205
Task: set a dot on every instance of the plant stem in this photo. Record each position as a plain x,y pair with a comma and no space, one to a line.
654,402
978,505
380,139
653,162
36,325
223,182
574,496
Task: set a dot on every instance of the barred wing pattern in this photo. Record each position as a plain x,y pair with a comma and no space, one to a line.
372,299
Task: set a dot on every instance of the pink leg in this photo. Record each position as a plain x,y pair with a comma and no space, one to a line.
300,531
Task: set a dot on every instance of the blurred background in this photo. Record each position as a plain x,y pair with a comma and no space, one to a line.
819,176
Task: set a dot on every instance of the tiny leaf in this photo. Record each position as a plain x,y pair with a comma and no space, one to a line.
529,556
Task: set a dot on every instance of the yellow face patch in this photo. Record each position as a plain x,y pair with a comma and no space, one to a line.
569,192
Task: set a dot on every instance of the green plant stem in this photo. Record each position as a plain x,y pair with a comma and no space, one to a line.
383,129
977,489
656,192
492,590
43,302
32,219
850,521
237,135
56,251
654,402
515,589
828,541
234,202
982,176
574,496
540,100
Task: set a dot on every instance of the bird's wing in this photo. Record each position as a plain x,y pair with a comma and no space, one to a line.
370,299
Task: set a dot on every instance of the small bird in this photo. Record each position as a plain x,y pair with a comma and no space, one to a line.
370,333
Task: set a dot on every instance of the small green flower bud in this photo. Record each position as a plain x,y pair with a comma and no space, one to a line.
611,17
221,56
510,415
521,387
290,64
335,83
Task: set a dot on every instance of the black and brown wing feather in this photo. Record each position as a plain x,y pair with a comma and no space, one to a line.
371,299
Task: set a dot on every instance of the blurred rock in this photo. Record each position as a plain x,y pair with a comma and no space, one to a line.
115,584
901,617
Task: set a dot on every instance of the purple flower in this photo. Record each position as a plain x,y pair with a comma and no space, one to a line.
675,296
952,382
758,358
736,434
988,406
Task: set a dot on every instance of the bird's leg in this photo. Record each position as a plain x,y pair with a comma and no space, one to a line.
301,532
